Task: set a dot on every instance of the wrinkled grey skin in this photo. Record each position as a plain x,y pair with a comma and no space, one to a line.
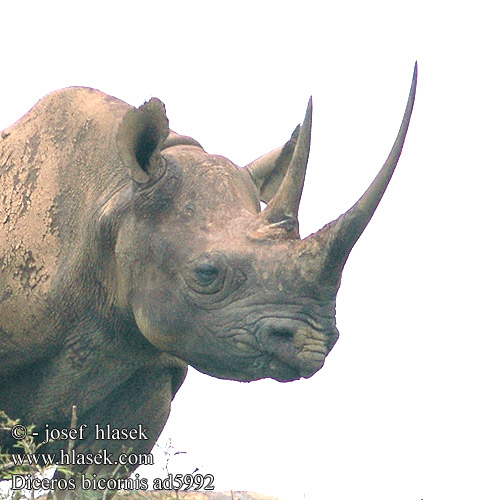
127,252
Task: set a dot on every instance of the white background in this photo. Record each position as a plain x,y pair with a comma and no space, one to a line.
409,403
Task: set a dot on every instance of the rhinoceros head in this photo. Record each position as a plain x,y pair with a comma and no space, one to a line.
212,279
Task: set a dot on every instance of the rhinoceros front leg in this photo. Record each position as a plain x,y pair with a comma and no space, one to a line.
123,427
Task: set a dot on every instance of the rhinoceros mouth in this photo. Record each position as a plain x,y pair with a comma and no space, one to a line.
285,372
282,372
293,348
277,359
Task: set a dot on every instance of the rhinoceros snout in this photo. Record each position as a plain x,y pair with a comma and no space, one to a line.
294,345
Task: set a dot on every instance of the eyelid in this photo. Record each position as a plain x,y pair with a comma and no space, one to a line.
208,273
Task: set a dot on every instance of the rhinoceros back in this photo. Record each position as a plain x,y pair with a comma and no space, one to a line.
58,164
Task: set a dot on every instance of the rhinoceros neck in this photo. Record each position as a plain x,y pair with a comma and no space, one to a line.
96,356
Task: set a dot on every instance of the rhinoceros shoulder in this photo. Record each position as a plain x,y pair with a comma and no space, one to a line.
57,162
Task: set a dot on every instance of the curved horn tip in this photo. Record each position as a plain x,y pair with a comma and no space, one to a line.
414,79
309,109
306,126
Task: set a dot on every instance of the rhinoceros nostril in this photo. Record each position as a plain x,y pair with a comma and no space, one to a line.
282,336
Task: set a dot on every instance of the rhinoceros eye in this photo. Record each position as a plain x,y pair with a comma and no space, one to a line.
208,273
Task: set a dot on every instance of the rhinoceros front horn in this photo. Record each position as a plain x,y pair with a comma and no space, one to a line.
331,245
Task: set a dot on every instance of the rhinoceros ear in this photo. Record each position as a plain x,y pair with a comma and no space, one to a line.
139,140
269,170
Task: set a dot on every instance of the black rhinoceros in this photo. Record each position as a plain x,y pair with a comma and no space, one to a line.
127,252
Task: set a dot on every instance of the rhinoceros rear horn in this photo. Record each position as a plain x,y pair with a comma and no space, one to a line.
140,137
280,175
269,170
